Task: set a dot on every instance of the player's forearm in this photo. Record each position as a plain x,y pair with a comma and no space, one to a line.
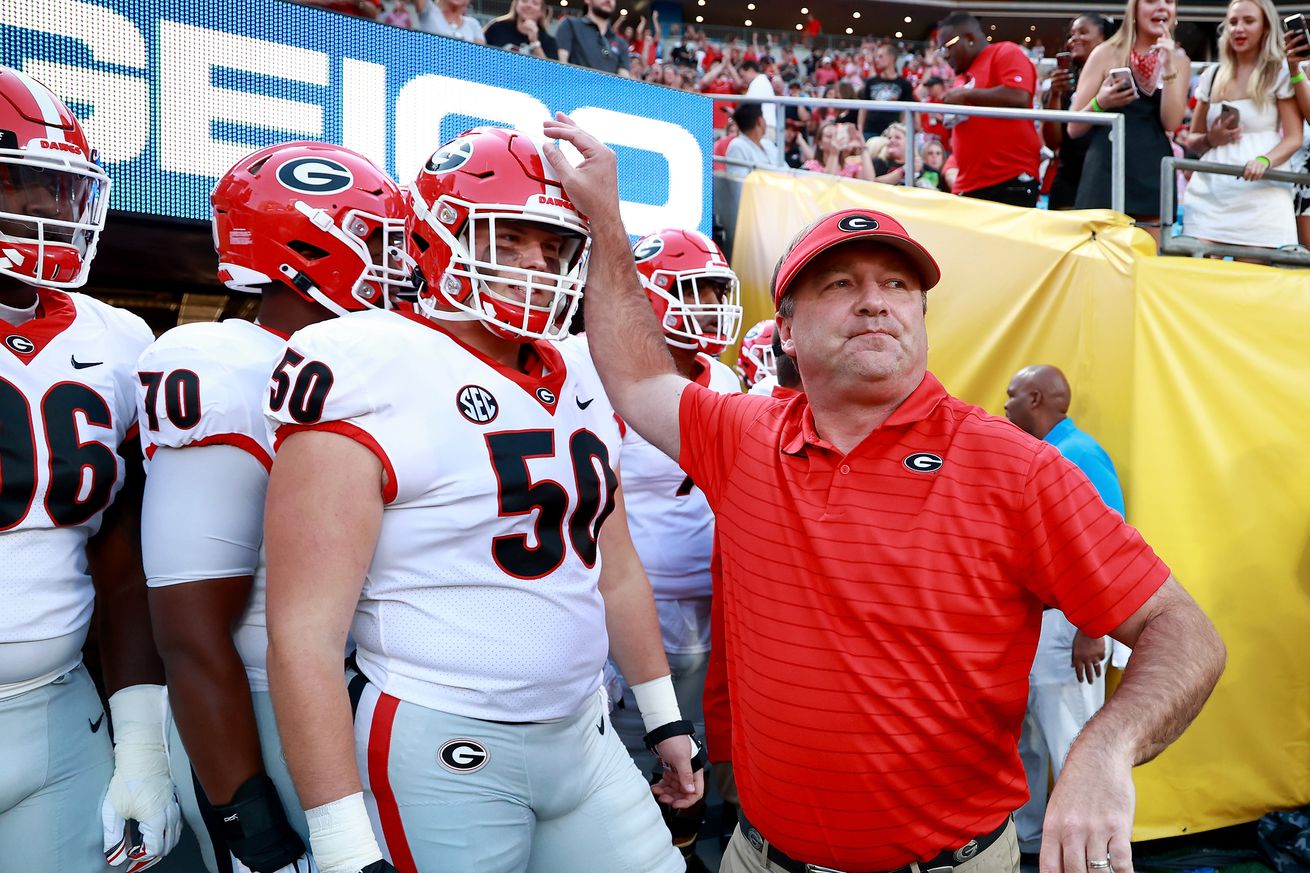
314,719
207,687
630,616
1177,659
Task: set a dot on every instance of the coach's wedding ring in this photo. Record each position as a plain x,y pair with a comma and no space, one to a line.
1099,865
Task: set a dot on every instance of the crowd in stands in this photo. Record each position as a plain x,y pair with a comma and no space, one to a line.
1249,109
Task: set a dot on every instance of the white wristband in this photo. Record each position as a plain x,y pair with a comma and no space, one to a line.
657,702
341,835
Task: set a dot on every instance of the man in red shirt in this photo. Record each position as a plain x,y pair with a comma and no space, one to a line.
998,157
878,672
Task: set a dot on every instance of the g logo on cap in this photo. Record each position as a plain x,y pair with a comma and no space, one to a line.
857,223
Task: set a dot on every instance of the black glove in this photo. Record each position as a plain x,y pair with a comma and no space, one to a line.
256,829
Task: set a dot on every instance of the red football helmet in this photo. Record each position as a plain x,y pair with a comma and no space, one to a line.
53,195
755,360
315,216
470,194
694,292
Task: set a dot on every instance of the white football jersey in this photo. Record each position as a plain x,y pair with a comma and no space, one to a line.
481,599
67,404
765,386
671,522
204,384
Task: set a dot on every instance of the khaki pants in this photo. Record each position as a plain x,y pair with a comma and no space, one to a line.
1001,856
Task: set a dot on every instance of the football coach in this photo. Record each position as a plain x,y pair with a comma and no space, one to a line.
887,550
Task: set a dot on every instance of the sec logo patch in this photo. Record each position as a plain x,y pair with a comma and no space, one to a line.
477,404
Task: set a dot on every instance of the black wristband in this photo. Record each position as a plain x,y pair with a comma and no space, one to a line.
256,829
682,728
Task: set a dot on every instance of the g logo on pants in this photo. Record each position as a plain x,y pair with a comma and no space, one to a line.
463,755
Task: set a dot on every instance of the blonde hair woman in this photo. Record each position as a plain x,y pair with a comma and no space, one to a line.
1152,99
1264,130
523,29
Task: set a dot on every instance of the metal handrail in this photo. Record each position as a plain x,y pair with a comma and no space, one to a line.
1168,211
1113,120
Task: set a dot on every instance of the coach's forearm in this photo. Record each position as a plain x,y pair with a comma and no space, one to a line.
1177,660
622,330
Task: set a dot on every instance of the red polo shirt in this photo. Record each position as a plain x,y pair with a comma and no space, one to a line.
994,150
881,611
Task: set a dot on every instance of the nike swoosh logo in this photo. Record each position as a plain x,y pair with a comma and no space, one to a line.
95,725
600,727
583,404
82,365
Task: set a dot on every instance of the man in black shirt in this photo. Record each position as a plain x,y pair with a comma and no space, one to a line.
884,84
589,41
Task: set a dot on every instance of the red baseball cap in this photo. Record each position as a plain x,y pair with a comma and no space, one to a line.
848,225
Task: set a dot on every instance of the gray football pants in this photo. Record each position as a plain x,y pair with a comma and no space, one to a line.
460,795
55,763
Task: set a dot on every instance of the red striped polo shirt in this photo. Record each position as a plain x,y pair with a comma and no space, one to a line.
881,611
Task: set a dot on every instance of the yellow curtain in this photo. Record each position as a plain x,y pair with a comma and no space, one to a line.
1193,375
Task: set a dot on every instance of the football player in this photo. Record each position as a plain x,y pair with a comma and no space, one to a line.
308,227
69,516
697,298
785,382
460,538
755,358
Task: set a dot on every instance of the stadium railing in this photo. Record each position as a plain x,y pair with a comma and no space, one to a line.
1113,120
1190,246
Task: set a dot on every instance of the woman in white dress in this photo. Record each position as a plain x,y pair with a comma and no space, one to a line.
1264,132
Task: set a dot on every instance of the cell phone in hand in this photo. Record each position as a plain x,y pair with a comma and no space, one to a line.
1297,23
1125,75
1229,115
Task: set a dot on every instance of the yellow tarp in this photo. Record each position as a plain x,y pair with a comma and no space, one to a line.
1195,376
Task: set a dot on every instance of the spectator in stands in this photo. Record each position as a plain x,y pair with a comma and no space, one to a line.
889,165
1264,131
399,13
589,41
812,28
796,149
798,114
357,8
758,85
1298,52
1152,104
931,126
832,148
932,157
721,144
826,73
997,158
751,145
884,84
1086,32
844,90
447,18
523,29
722,78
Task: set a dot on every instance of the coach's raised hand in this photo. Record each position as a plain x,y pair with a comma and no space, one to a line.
592,185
